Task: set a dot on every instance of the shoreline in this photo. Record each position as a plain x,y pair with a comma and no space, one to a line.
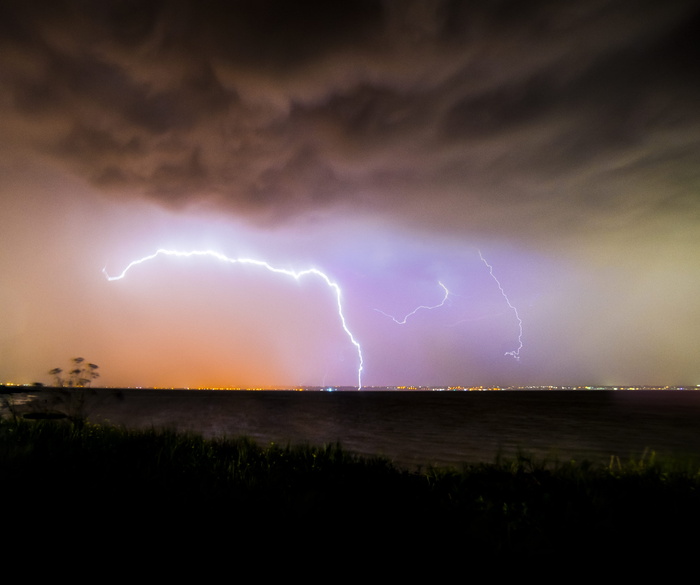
414,429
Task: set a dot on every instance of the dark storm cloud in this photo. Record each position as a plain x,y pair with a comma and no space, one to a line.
454,112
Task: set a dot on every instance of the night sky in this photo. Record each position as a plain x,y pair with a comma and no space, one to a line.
397,147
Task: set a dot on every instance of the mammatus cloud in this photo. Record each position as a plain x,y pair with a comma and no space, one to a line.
487,116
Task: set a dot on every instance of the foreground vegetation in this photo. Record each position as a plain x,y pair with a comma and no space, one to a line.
59,473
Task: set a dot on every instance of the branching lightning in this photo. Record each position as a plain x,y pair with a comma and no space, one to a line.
516,352
297,275
403,321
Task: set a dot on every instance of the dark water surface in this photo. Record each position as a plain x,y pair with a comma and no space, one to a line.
423,428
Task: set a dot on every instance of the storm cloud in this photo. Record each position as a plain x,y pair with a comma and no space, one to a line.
492,116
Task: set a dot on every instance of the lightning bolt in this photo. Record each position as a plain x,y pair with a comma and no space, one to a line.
403,321
516,352
296,275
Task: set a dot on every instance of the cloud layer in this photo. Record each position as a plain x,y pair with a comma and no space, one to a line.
497,117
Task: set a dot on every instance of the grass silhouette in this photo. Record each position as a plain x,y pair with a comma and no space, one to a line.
510,508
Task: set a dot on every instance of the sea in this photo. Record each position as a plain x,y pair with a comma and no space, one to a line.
414,429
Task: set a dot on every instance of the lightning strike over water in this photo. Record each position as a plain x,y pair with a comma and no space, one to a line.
297,275
403,321
516,352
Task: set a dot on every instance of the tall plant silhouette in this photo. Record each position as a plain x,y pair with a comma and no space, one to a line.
81,374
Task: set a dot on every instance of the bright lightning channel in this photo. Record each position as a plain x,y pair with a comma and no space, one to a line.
294,274
403,321
516,352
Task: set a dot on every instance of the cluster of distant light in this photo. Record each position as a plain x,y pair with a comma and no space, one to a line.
330,283
526,388
38,386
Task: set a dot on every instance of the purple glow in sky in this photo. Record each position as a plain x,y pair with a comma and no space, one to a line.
541,160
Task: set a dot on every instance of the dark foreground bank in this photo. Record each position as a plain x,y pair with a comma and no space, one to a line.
411,428
58,474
